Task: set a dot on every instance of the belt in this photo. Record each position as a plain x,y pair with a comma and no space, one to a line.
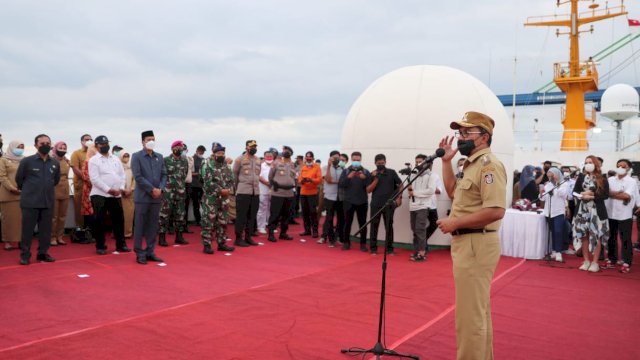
470,231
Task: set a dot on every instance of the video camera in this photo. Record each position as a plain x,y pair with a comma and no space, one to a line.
407,169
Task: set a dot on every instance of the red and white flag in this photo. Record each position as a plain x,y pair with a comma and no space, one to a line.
634,26
633,22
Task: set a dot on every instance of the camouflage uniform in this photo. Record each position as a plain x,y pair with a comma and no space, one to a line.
215,208
174,194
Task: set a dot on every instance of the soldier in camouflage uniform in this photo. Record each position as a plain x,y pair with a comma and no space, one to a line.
217,184
174,194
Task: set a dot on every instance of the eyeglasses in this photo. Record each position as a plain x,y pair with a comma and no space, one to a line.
465,134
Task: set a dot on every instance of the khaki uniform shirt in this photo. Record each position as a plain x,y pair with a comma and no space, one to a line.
77,159
284,173
246,170
483,185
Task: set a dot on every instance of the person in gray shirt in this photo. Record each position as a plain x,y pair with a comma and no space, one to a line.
333,199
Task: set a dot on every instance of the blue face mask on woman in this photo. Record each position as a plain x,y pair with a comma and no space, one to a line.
18,152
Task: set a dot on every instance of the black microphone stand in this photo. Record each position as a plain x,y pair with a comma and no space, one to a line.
547,256
379,349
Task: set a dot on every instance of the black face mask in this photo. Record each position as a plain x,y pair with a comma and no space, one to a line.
286,154
44,149
466,147
105,149
177,152
380,167
61,153
253,151
220,159
335,162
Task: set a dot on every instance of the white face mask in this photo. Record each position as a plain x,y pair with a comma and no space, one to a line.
589,168
566,174
88,143
150,145
268,161
621,171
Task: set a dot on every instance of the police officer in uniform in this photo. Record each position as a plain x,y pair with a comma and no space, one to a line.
246,170
174,194
217,184
282,178
479,202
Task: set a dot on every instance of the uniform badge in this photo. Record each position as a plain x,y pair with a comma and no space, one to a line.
488,179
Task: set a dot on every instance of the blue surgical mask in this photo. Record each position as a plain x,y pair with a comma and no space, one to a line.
356,164
18,152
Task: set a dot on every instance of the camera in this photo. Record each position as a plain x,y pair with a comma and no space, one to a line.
407,170
355,168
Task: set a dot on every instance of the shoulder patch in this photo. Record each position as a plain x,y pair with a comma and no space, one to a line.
488,179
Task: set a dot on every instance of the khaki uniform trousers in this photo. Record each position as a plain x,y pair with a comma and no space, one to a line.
475,257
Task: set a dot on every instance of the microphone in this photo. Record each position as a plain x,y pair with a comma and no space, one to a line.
439,153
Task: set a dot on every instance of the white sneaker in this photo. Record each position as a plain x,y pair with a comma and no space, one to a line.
585,265
594,267
570,252
275,231
559,257
262,231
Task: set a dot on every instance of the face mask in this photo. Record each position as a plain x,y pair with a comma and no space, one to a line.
61,153
268,161
44,149
309,163
105,149
342,164
220,159
466,147
116,153
356,164
253,151
566,174
150,144
589,168
380,167
200,155
88,143
177,152
18,152
286,154
335,162
621,171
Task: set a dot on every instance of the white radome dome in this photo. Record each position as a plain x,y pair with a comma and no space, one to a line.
407,112
619,102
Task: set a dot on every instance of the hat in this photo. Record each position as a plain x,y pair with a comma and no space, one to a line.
474,119
251,143
147,133
101,140
216,146
177,143
117,147
286,147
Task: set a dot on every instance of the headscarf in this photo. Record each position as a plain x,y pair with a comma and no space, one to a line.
526,177
55,148
557,174
9,154
126,165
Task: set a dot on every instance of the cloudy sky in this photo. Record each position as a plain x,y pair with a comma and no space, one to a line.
278,71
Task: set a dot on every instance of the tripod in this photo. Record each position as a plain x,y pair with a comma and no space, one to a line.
379,349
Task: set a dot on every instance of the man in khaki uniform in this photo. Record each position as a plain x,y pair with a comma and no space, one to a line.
479,202
77,159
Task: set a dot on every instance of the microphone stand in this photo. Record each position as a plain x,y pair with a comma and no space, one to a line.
547,256
379,349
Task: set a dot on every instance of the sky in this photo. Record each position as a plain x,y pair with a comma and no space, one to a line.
277,71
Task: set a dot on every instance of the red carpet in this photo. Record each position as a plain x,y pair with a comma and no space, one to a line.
299,300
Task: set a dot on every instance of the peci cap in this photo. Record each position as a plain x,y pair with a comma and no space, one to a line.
147,133
475,119
216,146
287,147
101,140
177,143
251,143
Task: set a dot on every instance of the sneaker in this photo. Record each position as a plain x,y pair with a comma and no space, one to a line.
569,252
585,265
418,258
625,268
321,241
262,231
619,262
607,264
594,267
558,257
332,244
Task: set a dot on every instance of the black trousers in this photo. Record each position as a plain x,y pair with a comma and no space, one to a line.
387,216
246,211
101,206
335,209
279,213
196,198
349,211
433,219
624,228
30,217
310,212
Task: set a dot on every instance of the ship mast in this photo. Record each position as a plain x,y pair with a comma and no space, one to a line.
577,78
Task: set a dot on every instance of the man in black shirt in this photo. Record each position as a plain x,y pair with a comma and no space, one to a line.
37,177
385,182
354,181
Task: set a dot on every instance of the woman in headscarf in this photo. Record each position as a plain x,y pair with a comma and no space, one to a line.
528,187
10,196
127,195
61,204
591,222
554,209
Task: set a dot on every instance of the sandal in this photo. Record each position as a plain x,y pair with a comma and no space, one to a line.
61,242
625,269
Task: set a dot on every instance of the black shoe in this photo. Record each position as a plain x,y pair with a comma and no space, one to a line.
124,248
170,230
187,231
225,247
141,260
250,241
162,240
255,233
284,236
305,233
363,248
271,237
207,249
418,258
241,243
293,222
346,245
154,257
45,258
390,252
101,251
315,234
180,240
24,261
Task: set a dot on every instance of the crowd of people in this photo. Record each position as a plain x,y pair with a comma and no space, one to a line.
588,210
145,196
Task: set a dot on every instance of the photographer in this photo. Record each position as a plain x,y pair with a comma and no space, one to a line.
423,209
384,183
354,181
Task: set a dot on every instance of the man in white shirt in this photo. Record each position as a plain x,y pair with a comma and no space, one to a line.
107,178
421,199
265,192
623,195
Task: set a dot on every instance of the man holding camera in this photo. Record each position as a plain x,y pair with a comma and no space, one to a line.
354,181
384,183
309,179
